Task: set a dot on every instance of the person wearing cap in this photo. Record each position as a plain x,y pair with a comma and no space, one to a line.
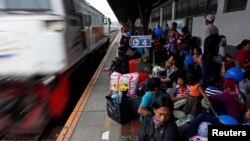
210,27
210,48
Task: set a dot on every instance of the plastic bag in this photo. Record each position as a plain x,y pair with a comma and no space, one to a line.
119,109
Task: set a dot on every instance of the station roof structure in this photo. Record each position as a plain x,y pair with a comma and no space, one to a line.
129,10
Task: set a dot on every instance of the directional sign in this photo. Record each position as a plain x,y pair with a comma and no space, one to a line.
141,41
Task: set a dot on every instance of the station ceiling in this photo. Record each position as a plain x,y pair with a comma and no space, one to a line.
126,10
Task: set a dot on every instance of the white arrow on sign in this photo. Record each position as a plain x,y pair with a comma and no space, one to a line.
136,42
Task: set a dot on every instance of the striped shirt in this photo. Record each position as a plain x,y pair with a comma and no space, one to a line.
211,90
181,91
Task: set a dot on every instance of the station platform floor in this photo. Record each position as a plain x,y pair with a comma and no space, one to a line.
89,120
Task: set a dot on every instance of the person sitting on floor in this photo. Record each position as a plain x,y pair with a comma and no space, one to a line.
119,64
231,99
132,54
149,97
212,89
144,66
242,55
181,92
201,121
160,126
193,104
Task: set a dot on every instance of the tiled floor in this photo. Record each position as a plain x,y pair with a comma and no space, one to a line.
131,128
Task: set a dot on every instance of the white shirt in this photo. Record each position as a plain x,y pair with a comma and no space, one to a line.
221,51
210,29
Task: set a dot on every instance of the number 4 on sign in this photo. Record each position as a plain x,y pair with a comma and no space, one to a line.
144,42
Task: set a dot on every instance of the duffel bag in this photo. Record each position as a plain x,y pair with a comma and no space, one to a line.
119,109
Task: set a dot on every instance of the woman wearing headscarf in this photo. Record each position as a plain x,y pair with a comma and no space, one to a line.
232,98
144,65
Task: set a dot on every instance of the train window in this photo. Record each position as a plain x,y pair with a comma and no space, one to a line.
96,20
88,20
235,5
82,21
105,22
26,5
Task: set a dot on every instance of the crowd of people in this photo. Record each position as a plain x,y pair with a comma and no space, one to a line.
189,75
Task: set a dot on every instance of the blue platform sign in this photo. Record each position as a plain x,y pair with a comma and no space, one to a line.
141,41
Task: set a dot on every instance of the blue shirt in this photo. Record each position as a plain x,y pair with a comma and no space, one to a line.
148,99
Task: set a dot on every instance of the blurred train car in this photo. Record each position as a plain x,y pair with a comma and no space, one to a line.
42,41
229,14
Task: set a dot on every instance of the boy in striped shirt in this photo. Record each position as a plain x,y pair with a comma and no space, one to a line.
181,92
212,89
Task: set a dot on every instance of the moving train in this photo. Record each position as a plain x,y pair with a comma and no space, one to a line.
231,17
43,43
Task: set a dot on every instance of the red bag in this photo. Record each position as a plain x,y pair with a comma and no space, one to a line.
133,66
143,77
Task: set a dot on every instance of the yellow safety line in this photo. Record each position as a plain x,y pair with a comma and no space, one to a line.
72,121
